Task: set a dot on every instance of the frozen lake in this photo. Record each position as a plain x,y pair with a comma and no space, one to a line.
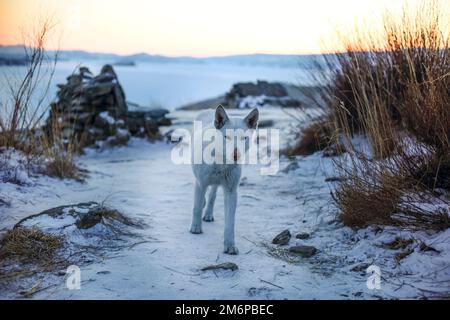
170,85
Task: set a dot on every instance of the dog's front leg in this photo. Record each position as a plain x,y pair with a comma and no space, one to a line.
199,203
230,198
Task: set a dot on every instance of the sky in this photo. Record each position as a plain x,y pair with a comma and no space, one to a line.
191,27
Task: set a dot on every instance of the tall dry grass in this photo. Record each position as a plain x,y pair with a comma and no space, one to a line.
23,111
394,88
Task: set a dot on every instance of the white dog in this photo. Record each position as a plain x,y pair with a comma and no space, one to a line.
225,173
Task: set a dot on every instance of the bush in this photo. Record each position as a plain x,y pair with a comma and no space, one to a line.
315,137
395,89
21,116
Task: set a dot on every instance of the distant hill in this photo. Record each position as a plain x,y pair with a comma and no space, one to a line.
17,53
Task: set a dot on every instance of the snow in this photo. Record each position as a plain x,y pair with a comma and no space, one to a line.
105,115
17,167
141,181
252,102
260,101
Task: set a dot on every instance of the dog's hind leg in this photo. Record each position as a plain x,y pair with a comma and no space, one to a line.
199,203
209,212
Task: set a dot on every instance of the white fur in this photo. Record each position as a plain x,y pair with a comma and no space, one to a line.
226,175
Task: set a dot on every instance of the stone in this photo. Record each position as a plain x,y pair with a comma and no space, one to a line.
225,266
265,123
303,236
282,238
74,80
402,255
362,267
424,248
398,243
291,166
304,251
259,89
82,101
104,77
86,215
333,151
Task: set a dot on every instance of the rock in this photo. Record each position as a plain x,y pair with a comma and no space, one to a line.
303,236
83,215
333,151
334,179
282,238
265,123
259,94
171,138
74,80
304,251
260,88
424,248
145,123
104,77
107,68
291,166
104,272
401,255
225,266
88,219
362,267
93,111
121,138
398,243
164,122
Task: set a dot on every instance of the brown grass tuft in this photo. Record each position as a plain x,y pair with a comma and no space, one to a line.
30,245
394,89
315,137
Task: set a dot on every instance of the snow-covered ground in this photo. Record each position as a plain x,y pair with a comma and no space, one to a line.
165,263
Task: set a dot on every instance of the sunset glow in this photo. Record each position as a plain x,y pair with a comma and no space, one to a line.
195,28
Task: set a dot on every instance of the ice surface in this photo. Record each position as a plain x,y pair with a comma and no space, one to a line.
166,85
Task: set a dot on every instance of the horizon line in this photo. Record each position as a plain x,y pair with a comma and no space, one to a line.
175,56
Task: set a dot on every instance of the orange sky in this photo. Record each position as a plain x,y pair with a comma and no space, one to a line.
191,27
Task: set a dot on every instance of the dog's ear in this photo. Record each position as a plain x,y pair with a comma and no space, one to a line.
252,119
221,117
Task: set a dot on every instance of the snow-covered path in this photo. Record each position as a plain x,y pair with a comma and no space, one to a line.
165,262
142,182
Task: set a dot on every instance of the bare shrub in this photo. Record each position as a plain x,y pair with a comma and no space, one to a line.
315,137
60,153
21,117
23,110
395,89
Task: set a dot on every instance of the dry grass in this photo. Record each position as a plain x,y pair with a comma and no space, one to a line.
30,245
315,137
61,153
395,89
22,111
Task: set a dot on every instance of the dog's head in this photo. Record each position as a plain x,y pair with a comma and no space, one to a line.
237,133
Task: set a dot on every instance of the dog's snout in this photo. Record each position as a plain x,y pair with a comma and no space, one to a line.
236,154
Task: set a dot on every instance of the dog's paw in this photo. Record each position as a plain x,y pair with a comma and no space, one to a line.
208,218
196,229
230,250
